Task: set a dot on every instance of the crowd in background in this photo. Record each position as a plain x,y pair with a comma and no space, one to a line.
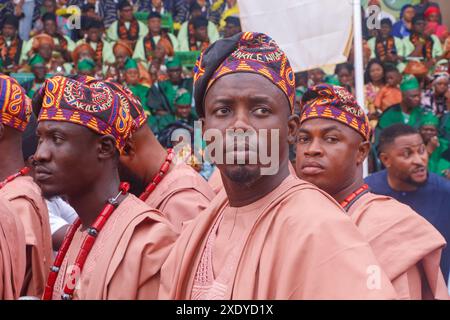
151,47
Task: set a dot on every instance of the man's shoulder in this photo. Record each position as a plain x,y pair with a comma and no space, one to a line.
23,187
305,204
439,184
376,178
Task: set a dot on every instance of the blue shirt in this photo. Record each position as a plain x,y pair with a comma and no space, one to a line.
432,201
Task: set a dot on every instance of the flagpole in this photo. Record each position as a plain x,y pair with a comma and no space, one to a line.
359,60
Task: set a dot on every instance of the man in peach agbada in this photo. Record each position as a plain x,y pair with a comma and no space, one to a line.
12,253
333,142
24,195
181,193
82,129
264,236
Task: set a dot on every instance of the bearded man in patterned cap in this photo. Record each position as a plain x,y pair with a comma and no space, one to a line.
267,235
333,142
83,127
24,196
182,193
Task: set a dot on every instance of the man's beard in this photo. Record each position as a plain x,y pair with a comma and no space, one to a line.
410,181
243,174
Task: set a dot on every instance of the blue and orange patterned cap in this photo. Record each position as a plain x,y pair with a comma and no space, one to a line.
87,102
249,52
132,103
15,106
336,103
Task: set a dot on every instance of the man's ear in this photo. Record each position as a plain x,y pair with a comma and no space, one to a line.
363,151
293,125
385,159
129,150
106,147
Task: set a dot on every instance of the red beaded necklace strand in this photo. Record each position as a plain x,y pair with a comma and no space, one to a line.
347,203
86,246
23,172
93,233
158,177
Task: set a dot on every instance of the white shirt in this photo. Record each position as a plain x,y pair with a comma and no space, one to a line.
60,213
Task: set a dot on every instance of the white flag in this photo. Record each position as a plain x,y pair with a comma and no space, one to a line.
313,33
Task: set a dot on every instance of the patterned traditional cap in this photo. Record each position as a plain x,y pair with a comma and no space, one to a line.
85,101
130,102
15,107
335,103
249,52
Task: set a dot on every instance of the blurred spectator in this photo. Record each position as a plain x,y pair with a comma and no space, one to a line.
39,70
42,44
158,6
86,67
50,6
106,10
374,82
122,52
424,5
406,179
145,47
437,147
192,36
346,76
385,47
180,12
82,51
162,95
198,39
301,83
409,110
221,10
232,27
433,26
132,78
183,107
128,28
390,94
10,45
437,99
421,45
157,68
62,44
316,76
94,37
403,27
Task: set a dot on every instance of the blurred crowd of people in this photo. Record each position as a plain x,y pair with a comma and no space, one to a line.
149,46
406,78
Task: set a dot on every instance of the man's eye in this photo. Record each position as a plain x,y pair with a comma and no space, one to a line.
57,140
331,139
302,139
262,111
222,111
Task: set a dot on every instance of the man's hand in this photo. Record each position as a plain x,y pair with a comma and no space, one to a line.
432,145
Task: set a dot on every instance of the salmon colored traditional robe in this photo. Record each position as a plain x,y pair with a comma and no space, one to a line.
407,246
126,258
181,195
12,253
29,206
294,243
